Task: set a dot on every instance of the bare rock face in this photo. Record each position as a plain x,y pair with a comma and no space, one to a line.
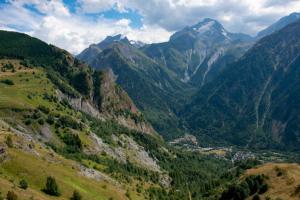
127,150
96,175
186,139
114,103
80,104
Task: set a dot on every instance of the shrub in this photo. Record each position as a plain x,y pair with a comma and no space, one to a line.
23,184
36,114
7,82
51,187
9,66
9,141
76,196
235,192
68,121
297,190
41,121
44,109
11,196
279,171
28,122
264,188
25,63
256,197
50,119
73,143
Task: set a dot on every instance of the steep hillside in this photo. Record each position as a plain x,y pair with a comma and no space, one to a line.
254,102
31,161
82,86
283,180
38,119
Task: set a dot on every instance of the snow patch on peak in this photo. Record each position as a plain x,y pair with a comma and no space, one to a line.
224,32
137,44
122,36
204,28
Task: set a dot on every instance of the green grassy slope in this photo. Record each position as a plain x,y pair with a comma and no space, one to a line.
26,105
37,164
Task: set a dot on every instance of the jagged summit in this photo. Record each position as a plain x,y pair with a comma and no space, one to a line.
207,25
111,39
210,29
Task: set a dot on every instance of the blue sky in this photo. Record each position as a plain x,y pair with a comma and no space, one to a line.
75,24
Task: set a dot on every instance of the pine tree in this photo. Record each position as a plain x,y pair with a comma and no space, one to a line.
51,187
11,196
9,141
23,184
76,196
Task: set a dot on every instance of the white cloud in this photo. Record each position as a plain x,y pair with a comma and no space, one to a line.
96,6
75,34
70,31
76,31
246,16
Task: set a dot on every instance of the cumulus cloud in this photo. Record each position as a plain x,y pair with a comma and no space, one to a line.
71,31
75,29
246,16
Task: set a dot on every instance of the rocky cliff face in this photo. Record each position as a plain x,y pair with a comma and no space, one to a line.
196,53
113,104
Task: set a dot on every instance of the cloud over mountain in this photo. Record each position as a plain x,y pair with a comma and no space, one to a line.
76,24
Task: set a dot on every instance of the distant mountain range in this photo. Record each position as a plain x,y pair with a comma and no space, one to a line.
173,82
293,17
255,101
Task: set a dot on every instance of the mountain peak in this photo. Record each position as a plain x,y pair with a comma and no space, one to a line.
111,39
207,29
207,24
115,38
295,14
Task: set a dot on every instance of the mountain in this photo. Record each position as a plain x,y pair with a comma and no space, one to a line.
153,88
166,74
94,49
66,128
254,102
85,89
284,21
198,53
